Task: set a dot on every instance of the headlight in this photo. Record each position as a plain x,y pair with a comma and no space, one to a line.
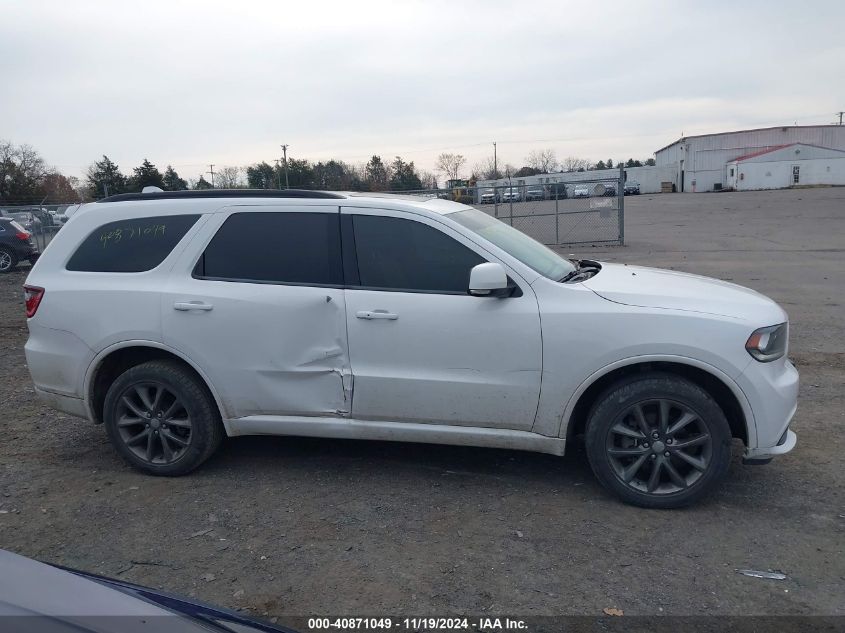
768,343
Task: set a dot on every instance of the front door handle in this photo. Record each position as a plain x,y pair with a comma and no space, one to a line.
184,306
376,314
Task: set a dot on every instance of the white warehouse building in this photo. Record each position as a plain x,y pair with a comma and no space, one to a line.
702,162
787,166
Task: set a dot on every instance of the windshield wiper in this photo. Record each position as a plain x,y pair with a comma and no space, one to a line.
572,273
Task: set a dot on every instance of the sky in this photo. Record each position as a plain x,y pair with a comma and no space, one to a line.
191,83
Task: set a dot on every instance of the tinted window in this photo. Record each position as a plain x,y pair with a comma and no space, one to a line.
301,248
406,255
131,246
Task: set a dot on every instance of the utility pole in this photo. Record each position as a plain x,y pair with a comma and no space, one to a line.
212,175
495,162
285,151
840,116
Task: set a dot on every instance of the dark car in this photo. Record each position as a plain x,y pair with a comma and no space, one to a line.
535,193
609,189
632,188
15,244
27,219
51,598
557,191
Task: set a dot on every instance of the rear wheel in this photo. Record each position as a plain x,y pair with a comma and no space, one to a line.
658,441
162,419
8,260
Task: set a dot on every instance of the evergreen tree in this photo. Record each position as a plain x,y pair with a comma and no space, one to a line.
104,178
172,181
146,175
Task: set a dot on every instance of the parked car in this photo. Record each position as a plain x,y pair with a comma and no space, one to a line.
557,191
609,189
512,194
490,196
36,596
15,245
632,188
581,191
25,219
535,193
178,318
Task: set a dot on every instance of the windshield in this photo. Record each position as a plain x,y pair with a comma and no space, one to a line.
516,243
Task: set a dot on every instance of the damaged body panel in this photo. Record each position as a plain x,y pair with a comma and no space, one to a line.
268,348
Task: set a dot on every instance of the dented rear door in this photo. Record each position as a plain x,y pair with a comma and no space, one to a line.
257,304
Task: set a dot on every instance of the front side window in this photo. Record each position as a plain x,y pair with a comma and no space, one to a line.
399,254
130,246
271,247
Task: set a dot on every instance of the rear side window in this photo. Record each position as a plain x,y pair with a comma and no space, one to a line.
293,248
398,254
131,246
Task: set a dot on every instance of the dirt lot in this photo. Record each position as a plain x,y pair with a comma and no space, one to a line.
303,526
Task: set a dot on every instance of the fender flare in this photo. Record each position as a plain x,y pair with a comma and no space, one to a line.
730,383
91,371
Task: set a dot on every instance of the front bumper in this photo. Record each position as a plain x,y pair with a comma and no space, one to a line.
772,391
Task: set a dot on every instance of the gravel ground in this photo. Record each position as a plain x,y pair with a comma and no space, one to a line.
286,526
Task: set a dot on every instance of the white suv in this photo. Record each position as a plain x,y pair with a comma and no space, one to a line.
176,318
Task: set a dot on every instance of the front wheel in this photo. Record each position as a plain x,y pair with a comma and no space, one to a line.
658,441
8,260
162,419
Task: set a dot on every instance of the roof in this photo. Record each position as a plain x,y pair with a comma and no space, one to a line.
755,129
223,193
775,148
353,199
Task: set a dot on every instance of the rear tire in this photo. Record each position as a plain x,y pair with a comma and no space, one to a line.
162,419
8,260
658,441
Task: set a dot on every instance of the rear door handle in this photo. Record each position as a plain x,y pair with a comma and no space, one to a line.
376,314
184,306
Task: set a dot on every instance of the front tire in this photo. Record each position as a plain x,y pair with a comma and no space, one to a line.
162,419
658,441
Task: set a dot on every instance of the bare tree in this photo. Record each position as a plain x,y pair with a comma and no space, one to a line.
450,164
544,160
428,180
228,177
487,169
571,163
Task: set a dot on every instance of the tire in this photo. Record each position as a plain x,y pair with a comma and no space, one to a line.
8,260
183,430
664,422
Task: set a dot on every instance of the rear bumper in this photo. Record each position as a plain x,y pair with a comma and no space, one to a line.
63,403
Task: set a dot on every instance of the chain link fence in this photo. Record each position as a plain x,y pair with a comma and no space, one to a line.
42,223
559,213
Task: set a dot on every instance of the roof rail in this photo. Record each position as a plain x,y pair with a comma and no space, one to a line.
222,193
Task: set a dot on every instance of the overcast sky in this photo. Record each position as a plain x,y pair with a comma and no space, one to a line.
191,83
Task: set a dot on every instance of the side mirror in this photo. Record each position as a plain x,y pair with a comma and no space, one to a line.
488,279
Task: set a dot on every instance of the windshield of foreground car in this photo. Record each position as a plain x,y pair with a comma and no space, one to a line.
516,243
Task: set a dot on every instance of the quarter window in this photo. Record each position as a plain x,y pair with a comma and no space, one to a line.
131,246
399,254
271,247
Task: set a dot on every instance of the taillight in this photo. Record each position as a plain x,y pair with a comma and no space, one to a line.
32,296
22,235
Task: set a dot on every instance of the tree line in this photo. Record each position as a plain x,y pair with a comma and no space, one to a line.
544,161
25,178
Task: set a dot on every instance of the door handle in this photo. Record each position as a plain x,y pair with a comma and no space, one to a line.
376,314
184,306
